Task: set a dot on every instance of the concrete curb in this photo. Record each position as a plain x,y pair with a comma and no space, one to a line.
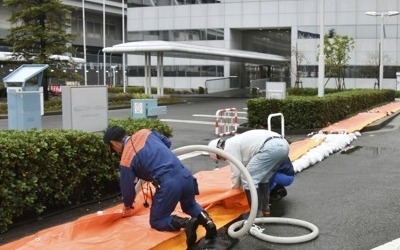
380,123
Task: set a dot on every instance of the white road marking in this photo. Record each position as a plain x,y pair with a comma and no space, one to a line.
200,122
213,116
190,155
188,121
392,245
208,116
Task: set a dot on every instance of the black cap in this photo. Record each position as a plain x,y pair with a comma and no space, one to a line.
113,133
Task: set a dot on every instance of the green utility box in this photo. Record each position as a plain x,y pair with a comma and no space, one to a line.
146,108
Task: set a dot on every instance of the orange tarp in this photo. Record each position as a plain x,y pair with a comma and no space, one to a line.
108,230
389,108
353,124
299,148
361,120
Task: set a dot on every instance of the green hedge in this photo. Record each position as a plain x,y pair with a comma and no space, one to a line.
51,168
132,125
312,112
46,170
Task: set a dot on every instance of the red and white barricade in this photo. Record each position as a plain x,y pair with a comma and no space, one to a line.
55,89
226,122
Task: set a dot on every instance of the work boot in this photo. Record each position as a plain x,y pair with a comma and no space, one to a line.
263,199
262,210
206,221
190,226
277,193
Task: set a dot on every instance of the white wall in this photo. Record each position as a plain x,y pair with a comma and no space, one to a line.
346,16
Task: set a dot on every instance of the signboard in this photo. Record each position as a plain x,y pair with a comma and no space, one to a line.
275,90
85,108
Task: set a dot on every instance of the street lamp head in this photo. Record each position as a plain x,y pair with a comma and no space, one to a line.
388,13
393,13
382,15
371,13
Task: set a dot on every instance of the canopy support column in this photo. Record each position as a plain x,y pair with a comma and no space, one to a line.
160,73
147,73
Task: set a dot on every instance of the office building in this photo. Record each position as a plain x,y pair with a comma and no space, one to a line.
289,28
281,27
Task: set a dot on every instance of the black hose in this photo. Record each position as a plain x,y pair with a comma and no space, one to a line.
45,216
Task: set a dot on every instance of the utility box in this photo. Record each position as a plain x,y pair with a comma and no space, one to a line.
24,96
146,108
85,108
24,109
275,90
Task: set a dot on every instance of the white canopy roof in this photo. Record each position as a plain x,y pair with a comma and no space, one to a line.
173,49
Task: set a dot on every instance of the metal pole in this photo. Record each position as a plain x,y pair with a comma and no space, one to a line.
123,41
104,42
98,68
382,15
84,40
381,55
321,59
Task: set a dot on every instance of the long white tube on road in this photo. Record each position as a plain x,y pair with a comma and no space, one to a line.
240,228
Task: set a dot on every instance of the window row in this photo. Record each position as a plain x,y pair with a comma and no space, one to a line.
180,71
148,3
369,71
355,31
95,29
177,35
303,71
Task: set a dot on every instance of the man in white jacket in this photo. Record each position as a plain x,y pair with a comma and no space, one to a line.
262,152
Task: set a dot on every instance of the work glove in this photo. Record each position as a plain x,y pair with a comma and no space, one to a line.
127,211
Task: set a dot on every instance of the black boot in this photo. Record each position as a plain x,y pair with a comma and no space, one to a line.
277,193
190,226
206,221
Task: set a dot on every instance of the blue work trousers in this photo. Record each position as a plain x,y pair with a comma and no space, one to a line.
176,186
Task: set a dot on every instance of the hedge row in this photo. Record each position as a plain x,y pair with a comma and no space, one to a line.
46,170
312,112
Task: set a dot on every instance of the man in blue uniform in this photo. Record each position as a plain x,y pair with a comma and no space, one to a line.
146,155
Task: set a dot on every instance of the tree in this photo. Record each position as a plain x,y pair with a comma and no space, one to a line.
336,50
374,61
40,33
299,57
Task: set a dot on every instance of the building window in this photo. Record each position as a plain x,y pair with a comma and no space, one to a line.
180,71
306,35
215,34
177,35
352,71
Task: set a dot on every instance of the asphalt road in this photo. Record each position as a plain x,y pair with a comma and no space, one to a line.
352,198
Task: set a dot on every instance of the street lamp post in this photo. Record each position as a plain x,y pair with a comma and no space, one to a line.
98,67
123,41
84,40
382,15
321,59
104,41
